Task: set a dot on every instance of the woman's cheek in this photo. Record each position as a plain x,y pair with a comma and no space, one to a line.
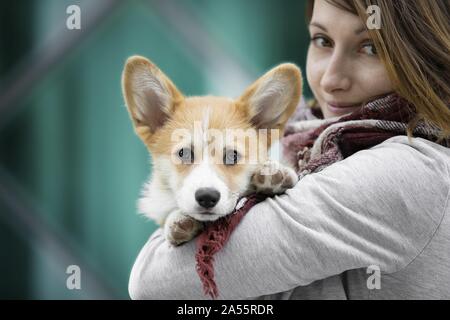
375,81
313,71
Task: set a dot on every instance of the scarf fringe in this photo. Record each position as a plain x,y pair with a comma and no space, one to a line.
213,239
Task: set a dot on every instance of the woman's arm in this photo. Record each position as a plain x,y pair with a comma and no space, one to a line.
378,207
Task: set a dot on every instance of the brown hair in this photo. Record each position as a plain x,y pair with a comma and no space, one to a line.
414,45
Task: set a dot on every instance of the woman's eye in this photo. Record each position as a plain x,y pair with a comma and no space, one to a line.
186,155
370,49
321,42
231,157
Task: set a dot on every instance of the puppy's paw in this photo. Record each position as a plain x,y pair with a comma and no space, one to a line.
273,178
180,228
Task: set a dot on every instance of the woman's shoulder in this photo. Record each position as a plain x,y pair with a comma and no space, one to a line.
400,156
421,148
397,188
397,174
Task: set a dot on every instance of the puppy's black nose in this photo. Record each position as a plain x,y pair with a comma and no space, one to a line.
207,197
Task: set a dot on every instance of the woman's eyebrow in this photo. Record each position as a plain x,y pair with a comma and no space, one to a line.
360,30
318,25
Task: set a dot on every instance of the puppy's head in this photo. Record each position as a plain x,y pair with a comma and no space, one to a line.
205,149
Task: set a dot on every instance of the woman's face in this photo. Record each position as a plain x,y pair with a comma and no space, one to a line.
343,68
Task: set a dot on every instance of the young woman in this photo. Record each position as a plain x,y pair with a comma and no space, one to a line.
383,208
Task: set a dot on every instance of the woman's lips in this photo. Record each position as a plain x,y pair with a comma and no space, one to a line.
343,106
341,109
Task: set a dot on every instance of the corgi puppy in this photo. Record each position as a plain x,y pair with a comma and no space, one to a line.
207,152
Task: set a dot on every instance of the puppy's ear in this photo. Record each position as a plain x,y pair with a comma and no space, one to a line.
149,95
272,99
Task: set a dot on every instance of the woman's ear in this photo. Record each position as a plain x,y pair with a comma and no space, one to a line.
149,94
272,99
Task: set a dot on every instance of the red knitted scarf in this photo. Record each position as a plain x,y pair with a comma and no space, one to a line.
312,149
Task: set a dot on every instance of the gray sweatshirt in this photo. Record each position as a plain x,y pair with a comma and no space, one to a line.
386,208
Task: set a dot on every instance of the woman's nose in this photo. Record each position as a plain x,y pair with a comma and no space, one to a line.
336,78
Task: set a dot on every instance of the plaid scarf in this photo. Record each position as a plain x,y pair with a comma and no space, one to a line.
311,146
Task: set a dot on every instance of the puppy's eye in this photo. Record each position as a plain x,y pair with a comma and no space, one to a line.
186,155
231,157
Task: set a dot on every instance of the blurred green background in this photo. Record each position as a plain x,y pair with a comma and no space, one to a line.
70,165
